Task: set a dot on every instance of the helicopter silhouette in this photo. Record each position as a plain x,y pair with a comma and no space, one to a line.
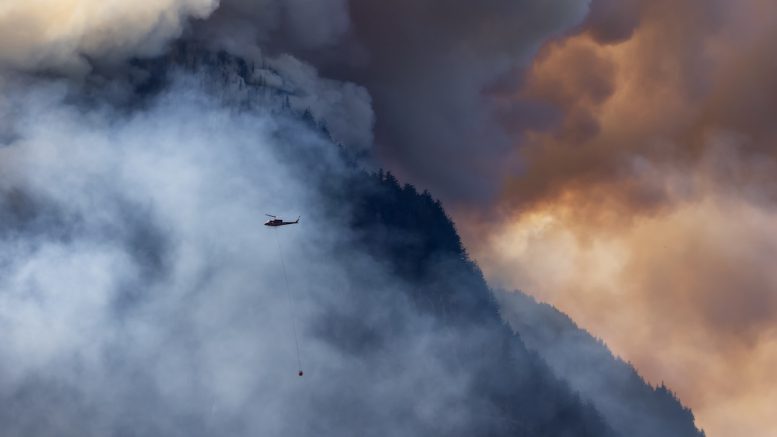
275,221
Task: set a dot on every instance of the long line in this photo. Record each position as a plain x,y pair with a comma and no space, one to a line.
292,307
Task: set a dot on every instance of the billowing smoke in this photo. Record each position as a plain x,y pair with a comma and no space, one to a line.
142,263
429,66
601,135
302,24
646,207
66,35
434,69
141,294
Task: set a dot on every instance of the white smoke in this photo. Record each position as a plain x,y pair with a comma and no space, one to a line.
140,292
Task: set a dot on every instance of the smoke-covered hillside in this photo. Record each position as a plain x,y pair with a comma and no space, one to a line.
632,407
141,295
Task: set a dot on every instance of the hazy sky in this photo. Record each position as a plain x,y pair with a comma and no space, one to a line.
614,158
646,207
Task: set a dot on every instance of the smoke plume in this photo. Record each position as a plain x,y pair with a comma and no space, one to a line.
646,205
612,157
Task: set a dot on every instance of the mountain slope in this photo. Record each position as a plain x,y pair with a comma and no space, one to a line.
630,405
411,233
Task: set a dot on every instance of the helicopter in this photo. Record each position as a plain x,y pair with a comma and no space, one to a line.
275,221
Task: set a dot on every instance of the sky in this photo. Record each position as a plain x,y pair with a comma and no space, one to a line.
613,158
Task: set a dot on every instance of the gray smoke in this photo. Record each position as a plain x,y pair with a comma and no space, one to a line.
432,68
437,70
141,295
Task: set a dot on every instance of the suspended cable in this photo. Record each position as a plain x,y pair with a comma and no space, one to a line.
292,306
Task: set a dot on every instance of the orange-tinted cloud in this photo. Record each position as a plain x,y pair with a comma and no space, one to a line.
647,208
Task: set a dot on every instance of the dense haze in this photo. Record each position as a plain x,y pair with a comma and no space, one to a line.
141,295
133,266
614,158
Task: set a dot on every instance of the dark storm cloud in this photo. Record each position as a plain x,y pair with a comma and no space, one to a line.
427,65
